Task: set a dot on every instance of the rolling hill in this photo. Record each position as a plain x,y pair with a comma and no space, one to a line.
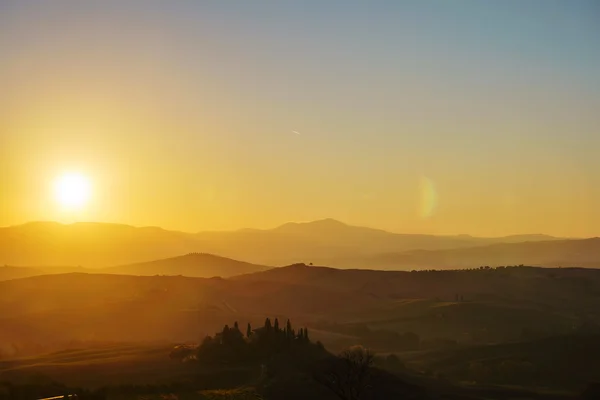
495,304
77,311
557,253
561,361
198,265
89,244
552,285
334,243
53,310
194,265
7,272
327,242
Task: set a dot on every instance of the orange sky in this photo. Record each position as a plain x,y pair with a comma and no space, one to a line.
433,126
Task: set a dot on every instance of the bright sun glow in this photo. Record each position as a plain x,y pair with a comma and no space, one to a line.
72,190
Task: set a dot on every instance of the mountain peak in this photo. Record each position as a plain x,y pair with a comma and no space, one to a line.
329,223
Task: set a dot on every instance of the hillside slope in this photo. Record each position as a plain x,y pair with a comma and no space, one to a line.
194,265
562,361
327,241
89,244
557,253
45,313
7,272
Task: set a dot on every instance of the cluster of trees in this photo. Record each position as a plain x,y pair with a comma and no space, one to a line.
481,268
231,345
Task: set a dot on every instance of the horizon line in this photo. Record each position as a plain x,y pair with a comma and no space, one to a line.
284,224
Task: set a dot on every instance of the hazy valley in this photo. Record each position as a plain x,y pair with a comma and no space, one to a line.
325,242
462,309
299,200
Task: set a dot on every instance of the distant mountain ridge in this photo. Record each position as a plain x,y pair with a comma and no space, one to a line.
326,241
583,253
195,265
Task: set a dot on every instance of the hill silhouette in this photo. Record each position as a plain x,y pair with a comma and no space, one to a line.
8,272
561,361
193,265
557,253
433,316
200,265
326,241
89,244
465,306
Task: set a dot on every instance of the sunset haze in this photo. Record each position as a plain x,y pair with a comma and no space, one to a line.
467,117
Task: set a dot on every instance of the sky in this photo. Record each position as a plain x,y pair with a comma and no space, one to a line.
442,117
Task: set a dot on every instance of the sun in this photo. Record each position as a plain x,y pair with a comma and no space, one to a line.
72,190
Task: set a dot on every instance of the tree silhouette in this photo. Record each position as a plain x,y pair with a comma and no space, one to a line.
225,334
349,378
288,330
303,335
230,345
236,326
276,326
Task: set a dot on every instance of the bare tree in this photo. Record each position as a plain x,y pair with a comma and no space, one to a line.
349,379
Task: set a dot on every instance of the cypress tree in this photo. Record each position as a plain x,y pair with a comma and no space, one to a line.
300,334
236,326
288,330
225,335
306,335
248,331
276,327
268,324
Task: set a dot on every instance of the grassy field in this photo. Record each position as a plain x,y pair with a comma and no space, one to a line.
132,371
97,367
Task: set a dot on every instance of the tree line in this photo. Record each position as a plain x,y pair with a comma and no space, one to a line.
230,345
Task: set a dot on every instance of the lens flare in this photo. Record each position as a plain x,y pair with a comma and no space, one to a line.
428,197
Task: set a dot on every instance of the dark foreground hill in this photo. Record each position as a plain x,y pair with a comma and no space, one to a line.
440,312
126,371
479,306
555,362
520,283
